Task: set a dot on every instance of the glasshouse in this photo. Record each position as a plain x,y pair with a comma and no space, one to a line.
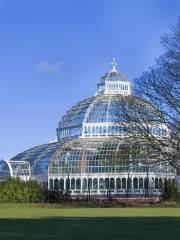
92,154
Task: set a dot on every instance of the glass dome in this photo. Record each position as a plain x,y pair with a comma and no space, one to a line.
96,116
70,125
104,107
113,76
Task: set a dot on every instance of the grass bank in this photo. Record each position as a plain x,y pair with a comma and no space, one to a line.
47,222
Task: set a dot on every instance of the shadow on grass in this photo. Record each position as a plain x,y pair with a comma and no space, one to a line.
111,228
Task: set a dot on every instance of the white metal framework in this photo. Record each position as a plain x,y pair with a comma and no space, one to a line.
19,169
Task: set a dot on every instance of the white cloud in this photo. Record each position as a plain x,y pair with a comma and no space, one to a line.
49,68
54,140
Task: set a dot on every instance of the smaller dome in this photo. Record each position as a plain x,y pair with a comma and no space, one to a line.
113,76
114,82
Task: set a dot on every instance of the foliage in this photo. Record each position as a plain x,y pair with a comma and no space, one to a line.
53,196
17,191
171,191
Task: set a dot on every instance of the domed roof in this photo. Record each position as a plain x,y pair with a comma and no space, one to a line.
38,157
113,76
75,116
105,107
96,110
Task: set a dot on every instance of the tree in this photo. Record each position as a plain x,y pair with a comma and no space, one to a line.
153,111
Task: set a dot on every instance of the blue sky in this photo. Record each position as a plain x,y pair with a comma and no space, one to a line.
52,53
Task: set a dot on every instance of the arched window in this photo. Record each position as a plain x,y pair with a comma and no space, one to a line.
101,183
90,183
72,184
118,183
160,183
135,183
95,183
56,184
146,183
107,183
141,183
124,183
129,183
78,184
61,184
51,184
84,184
156,183
112,183
67,184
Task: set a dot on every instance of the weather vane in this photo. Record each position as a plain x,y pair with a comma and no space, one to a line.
114,64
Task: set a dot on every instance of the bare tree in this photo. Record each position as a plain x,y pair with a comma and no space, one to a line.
153,111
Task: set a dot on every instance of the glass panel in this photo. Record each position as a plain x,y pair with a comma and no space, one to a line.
84,184
140,183
56,184
135,183
107,183
61,184
146,183
95,183
101,183
67,184
90,183
112,183
124,183
129,183
72,184
118,183
78,183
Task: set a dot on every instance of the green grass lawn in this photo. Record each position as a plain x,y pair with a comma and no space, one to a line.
34,222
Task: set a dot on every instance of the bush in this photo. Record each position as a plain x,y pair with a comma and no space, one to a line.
171,191
16,191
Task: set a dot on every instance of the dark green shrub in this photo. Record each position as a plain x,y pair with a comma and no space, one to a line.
171,191
14,190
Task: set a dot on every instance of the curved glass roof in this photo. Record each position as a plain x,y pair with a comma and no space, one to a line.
38,157
85,156
4,170
96,110
75,116
99,109
105,108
